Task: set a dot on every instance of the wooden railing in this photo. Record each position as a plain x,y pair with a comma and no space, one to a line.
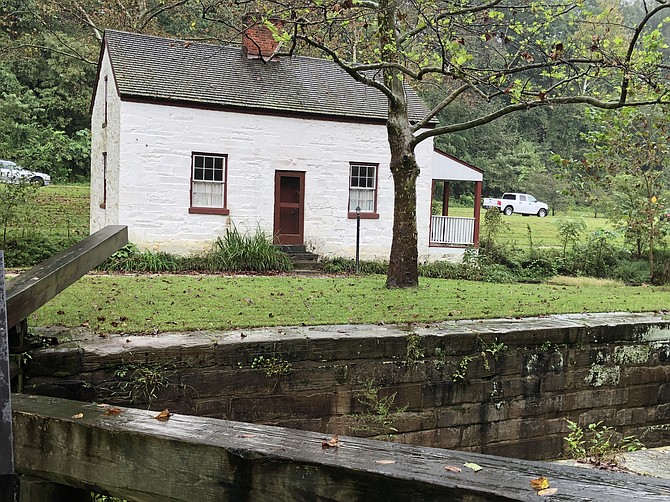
452,230
33,288
132,454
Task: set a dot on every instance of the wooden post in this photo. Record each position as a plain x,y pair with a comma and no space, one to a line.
445,198
477,214
8,481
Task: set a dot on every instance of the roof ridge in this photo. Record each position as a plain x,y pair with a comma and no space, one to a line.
215,45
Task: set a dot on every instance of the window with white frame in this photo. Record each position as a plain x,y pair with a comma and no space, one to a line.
208,183
363,188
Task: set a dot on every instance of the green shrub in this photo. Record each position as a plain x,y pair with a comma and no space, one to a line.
234,253
599,255
341,265
542,266
130,259
633,272
31,249
472,269
598,444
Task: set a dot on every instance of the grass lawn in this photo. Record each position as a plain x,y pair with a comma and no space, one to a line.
58,210
147,304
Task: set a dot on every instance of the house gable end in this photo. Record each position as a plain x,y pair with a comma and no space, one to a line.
104,50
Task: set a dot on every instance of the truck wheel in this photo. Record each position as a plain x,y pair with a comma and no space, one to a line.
542,213
508,211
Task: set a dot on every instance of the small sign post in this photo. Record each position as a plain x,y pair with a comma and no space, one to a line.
8,480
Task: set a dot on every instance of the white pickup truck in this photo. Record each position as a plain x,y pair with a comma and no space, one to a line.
521,203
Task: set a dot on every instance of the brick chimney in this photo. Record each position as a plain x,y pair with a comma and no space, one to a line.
257,41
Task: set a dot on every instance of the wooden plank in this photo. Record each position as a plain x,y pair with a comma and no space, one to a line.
135,456
32,289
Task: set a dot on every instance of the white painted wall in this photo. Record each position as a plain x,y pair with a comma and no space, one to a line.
149,151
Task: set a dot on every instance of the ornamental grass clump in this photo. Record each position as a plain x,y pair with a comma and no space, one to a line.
237,252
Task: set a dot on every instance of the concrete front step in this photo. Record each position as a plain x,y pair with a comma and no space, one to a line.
307,265
301,258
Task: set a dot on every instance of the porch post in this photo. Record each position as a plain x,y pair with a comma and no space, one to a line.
445,198
478,205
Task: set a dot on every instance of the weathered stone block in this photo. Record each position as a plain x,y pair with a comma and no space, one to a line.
529,449
631,416
218,407
606,415
47,362
597,398
316,377
262,408
413,421
436,438
643,395
216,382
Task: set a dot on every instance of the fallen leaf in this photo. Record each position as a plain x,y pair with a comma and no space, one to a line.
539,483
112,411
473,466
164,415
547,492
331,443
246,436
384,462
78,415
452,468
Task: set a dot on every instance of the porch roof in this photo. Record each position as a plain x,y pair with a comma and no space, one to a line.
449,168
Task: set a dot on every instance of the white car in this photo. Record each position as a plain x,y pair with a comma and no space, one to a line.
10,172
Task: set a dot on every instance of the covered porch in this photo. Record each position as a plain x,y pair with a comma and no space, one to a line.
454,231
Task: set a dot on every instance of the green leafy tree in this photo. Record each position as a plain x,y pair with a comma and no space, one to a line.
631,151
512,56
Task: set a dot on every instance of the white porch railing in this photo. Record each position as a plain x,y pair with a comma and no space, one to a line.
452,230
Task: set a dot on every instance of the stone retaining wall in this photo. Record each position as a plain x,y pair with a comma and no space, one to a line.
502,387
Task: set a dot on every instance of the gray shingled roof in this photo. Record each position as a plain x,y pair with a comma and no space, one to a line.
148,67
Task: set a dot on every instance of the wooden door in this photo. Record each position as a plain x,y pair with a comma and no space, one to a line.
289,207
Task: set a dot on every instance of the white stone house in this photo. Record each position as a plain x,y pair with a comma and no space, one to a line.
190,140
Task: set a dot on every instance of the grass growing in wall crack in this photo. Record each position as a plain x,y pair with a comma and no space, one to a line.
137,383
598,444
381,412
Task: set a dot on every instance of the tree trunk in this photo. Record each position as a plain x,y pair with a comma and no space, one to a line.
403,267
